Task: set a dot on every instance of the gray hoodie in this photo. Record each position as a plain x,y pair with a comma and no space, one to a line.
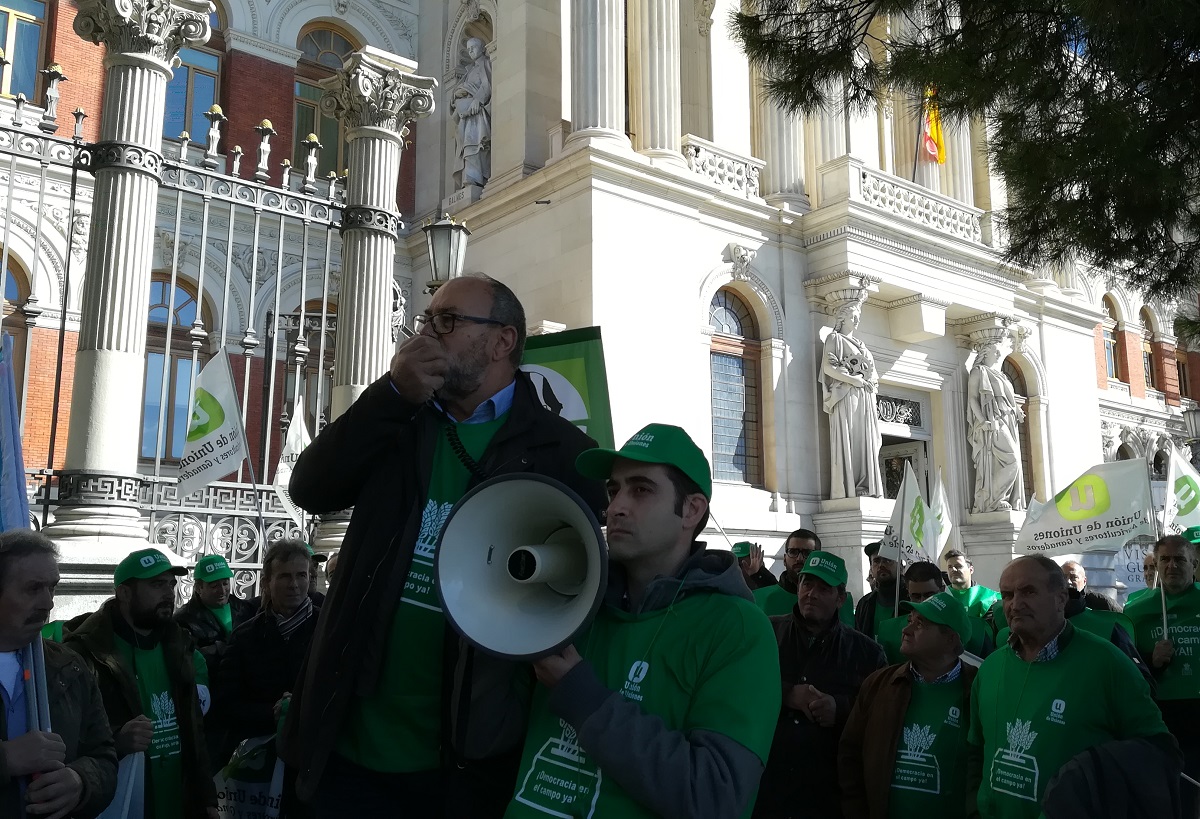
696,775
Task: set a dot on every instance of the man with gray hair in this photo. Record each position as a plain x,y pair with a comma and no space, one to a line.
1077,580
392,708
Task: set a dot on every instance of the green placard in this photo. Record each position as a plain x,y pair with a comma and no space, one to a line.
568,372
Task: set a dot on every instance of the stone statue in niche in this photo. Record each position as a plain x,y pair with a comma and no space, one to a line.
993,422
472,111
849,383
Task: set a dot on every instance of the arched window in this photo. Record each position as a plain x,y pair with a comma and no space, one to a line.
1112,360
1017,378
1148,350
195,86
21,35
322,51
164,410
736,404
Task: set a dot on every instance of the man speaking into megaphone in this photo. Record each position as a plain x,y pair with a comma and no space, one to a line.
666,705
394,715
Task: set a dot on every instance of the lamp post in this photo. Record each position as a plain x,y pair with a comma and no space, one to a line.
446,241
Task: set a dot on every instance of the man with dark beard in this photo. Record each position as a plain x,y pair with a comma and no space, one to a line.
779,599
393,713
143,663
881,604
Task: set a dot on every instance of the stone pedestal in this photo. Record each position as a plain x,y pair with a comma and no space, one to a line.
848,524
98,521
461,199
654,90
988,539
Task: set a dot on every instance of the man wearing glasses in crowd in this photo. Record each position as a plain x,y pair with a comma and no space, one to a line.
779,599
394,713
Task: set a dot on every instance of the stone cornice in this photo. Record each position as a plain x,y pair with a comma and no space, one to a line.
249,44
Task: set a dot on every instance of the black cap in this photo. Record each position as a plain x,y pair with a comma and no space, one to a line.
872,549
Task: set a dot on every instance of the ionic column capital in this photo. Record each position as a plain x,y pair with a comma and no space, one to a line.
374,89
156,29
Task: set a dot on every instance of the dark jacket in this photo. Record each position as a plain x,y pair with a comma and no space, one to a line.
94,640
257,669
761,579
1134,778
1099,602
77,717
864,614
867,752
377,457
206,630
803,753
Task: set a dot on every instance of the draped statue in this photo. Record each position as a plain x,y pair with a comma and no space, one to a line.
472,111
848,383
993,422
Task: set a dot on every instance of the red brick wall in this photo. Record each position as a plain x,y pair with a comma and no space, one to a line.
1129,348
406,194
83,63
254,89
39,402
1166,376
1101,360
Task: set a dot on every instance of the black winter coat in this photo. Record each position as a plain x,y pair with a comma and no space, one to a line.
197,620
258,668
377,457
801,777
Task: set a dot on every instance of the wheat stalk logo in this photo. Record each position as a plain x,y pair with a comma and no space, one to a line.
918,739
1021,736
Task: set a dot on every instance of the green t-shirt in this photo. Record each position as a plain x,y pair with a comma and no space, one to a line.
1032,718
776,600
397,729
1138,594
978,599
889,637
708,663
1179,680
1093,621
164,768
224,616
930,774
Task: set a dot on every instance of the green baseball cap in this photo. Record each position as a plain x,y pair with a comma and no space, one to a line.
1192,534
320,557
742,548
144,564
212,567
826,566
944,609
654,444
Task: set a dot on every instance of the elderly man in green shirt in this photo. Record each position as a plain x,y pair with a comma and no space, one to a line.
1052,692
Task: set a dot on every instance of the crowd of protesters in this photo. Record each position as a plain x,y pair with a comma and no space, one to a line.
704,686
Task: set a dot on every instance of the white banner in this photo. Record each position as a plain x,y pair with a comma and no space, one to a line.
216,440
1183,496
293,444
1102,509
940,507
913,530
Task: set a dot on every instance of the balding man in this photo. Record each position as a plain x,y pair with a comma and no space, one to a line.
1077,580
392,711
1050,693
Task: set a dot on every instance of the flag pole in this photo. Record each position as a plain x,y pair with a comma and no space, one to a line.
1157,534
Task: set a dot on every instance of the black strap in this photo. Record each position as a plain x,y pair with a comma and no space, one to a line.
460,451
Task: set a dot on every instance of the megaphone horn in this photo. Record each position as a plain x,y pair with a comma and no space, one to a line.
521,566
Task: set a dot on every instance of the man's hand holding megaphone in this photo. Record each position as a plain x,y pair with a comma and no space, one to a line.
418,368
550,670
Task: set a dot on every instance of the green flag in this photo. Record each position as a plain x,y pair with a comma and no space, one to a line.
567,370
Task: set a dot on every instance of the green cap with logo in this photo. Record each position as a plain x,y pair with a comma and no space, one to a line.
827,567
1192,534
944,609
211,568
143,565
742,549
654,444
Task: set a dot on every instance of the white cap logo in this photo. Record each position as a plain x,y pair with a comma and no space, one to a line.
148,561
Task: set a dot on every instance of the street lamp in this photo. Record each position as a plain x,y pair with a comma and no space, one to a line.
446,241
1191,417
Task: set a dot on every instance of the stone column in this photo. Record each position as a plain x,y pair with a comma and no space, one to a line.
654,91
958,179
779,141
99,491
376,95
598,73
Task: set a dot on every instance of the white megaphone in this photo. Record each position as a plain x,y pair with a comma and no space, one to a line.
521,566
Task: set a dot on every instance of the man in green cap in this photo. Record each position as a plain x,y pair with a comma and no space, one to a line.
665,705
1174,657
212,613
822,664
781,597
915,714
145,666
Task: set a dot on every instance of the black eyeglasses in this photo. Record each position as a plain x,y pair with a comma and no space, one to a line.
443,323
798,552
